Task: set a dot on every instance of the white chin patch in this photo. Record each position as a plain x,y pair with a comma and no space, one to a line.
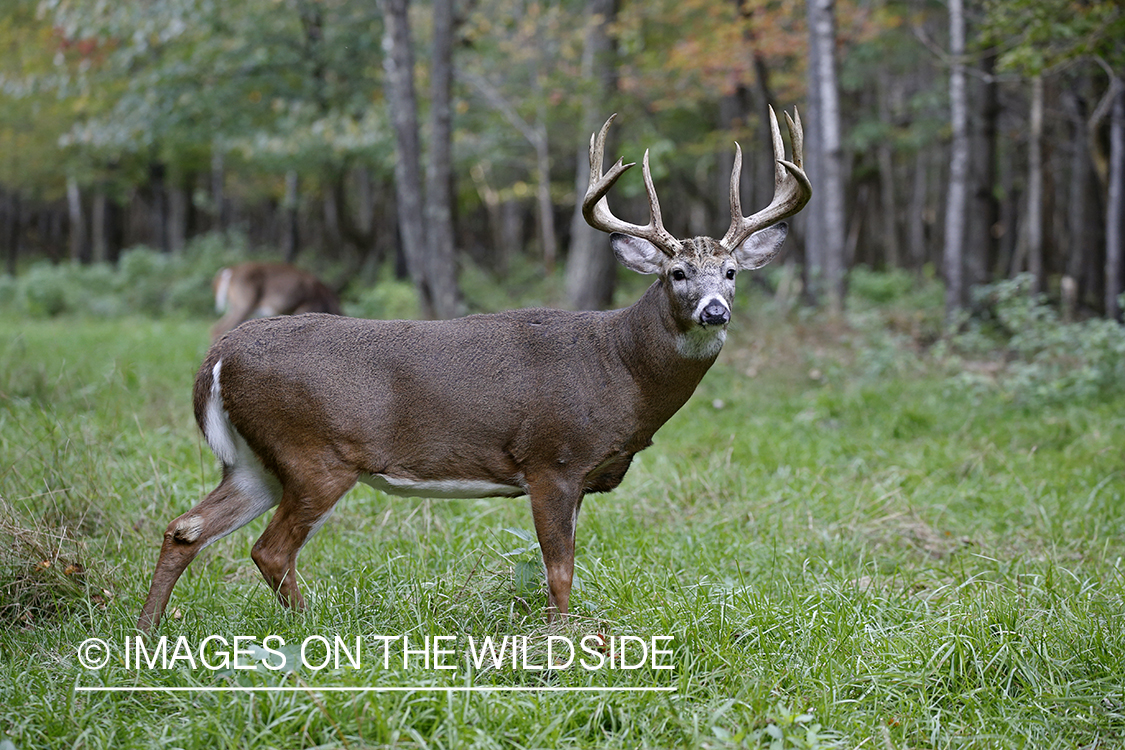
701,342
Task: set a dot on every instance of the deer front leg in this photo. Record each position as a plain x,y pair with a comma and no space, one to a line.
554,508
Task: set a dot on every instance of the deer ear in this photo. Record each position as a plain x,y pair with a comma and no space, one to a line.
761,247
636,254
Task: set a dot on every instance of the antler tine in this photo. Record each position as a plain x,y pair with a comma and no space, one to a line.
595,205
791,192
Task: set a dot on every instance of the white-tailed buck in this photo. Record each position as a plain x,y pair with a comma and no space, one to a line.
543,403
253,290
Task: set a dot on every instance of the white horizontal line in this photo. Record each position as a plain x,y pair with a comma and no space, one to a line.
418,689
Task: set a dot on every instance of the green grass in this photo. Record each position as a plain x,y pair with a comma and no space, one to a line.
848,549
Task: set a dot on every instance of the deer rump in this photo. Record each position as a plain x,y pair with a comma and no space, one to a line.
473,407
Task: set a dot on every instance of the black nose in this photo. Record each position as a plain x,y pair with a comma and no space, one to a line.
715,314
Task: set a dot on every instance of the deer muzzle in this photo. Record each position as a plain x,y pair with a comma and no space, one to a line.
714,312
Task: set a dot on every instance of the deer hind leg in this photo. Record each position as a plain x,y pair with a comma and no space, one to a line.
301,513
241,497
554,508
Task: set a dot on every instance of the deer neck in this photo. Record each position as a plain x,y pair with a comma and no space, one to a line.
665,362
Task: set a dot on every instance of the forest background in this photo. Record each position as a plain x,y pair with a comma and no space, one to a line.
898,526
977,139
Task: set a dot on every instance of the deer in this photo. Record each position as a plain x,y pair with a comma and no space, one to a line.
545,403
254,289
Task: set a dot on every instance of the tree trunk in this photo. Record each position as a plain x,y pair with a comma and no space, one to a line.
983,211
548,240
591,269
77,218
178,201
218,198
892,252
916,252
1034,221
815,229
291,224
156,174
11,230
1078,236
403,105
822,28
440,244
99,229
1115,209
364,206
958,165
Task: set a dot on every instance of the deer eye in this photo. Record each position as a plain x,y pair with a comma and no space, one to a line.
679,275
730,274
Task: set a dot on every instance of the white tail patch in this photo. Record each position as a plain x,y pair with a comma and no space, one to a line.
259,490
222,289
216,425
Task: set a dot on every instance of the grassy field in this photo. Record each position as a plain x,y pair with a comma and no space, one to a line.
845,546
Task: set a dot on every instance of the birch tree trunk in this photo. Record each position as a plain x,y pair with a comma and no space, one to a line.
822,28
958,165
814,167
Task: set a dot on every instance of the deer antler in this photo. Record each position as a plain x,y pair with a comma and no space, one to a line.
791,191
595,206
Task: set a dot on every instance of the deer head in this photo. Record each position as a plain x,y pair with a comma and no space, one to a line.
698,274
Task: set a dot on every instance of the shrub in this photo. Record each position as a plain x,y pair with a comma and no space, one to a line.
1046,360
145,281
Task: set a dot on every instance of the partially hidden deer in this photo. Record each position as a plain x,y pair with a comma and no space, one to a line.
250,290
543,403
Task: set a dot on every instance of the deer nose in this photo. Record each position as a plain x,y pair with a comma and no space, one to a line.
715,314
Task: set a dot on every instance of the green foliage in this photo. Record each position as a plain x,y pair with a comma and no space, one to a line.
881,288
389,299
145,282
1046,360
1035,36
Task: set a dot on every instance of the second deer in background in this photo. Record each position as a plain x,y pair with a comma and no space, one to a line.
254,290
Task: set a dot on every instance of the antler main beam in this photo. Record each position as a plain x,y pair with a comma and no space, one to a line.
595,206
791,192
